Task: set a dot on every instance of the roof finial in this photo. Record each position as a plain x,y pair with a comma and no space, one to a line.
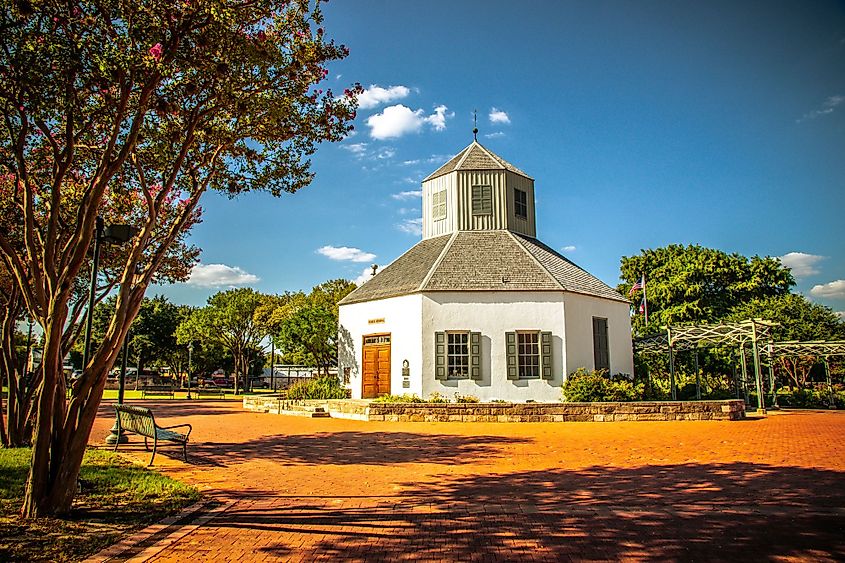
475,125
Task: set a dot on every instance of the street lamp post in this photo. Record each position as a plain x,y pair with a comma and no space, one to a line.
113,234
190,352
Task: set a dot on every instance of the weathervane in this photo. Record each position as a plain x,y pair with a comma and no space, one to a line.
475,124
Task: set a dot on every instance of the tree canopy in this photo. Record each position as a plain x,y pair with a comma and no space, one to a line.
697,284
132,111
229,321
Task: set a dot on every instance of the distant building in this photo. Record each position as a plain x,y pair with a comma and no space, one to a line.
480,306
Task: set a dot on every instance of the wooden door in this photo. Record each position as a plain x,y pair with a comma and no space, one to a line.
376,373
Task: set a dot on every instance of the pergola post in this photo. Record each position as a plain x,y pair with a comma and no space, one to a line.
772,380
671,366
744,373
832,404
758,374
736,379
697,379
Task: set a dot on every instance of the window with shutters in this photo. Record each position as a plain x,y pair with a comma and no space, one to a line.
457,355
520,199
601,350
482,200
438,205
529,354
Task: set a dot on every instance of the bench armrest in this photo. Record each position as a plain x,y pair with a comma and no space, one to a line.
188,426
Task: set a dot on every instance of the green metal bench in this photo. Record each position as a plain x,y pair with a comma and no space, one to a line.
157,391
208,392
141,421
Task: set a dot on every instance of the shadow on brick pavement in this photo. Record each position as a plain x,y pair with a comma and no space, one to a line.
357,448
690,511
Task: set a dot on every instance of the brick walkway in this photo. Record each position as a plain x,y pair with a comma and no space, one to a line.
325,489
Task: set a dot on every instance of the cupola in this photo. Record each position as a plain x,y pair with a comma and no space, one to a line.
478,191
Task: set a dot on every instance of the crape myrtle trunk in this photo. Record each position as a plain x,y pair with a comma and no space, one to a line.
62,428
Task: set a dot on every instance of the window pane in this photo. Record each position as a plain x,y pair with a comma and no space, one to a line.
457,357
520,203
528,350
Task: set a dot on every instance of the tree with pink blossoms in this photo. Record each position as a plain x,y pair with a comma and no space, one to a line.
131,111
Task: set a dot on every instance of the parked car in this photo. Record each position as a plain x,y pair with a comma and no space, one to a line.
220,381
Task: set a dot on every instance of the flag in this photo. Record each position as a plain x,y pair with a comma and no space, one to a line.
639,285
642,306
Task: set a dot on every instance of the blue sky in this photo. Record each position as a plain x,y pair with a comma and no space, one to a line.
643,123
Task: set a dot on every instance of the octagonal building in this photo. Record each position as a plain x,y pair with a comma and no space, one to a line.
480,306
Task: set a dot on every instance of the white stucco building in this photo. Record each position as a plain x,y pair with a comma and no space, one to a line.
480,306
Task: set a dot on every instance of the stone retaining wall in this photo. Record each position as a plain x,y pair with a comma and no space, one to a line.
733,409
558,412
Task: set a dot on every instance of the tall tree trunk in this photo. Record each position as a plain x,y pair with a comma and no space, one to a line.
14,428
62,428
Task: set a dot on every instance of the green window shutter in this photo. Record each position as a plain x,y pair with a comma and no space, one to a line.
475,355
439,355
482,200
510,354
546,355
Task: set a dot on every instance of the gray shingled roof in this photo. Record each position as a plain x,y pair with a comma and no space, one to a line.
475,157
568,275
480,261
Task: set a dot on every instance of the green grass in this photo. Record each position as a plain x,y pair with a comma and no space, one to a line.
131,394
116,497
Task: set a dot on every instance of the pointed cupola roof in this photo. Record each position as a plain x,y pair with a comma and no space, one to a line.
476,157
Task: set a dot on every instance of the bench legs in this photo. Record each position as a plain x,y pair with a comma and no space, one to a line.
155,446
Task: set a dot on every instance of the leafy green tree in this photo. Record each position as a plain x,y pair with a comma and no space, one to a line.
228,320
304,327
135,110
697,284
798,319
311,329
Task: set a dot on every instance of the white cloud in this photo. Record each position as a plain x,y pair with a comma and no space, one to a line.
411,194
366,275
398,120
219,275
499,116
376,95
569,248
438,118
411,226
801,264
410,162
830,290
346,253
828,106
358,149
494,135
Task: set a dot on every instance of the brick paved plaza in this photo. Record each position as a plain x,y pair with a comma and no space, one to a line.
293,488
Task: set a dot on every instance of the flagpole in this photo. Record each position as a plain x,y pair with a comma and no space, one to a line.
645,301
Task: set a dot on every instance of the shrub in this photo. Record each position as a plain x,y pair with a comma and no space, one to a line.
321,387
596,386
406,398
437,398
465,398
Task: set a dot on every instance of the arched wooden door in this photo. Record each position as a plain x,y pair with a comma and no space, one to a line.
376,373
